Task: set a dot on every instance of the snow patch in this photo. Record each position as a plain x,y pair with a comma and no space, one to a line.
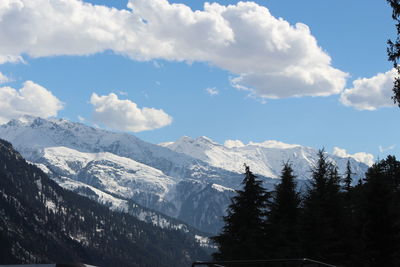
221,188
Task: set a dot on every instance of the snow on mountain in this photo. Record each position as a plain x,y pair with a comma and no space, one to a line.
115,203
31,134
265,158
121,165
190,179
124,205
109,172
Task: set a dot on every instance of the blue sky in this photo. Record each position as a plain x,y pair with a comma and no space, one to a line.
243,72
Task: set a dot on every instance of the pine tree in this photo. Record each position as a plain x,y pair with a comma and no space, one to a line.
242,237
283,216
322,223
381,214
348,177
351,241
393,49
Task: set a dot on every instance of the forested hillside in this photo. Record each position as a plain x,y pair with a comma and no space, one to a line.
40,223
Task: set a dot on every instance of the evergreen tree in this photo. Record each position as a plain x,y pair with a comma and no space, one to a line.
282,222
393,49
348,177
242,237
322,223
351,241
381,214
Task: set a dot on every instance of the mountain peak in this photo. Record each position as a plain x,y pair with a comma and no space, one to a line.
189,140
205,139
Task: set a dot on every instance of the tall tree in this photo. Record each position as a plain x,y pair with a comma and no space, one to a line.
393,49
381,214
348,179
242,237
350,240
283,216
322,223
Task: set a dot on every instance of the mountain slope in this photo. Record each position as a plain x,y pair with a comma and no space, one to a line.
41,222
108,172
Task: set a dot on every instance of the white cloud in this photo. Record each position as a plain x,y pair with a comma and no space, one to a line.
125,115
233,143
266,144
274,144
10,58
370,93
271,58
363,157
384,149
4,78
32,99
123,93
212,91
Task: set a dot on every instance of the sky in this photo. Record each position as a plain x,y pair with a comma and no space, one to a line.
306,72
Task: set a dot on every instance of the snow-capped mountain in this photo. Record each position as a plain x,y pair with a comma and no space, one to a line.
191,179
264,158
30,135
122,166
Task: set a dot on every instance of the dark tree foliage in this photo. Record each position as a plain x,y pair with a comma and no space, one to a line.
381,214
343,225
242,237
322,224
348,177
393,49
283,216
350,239
40,222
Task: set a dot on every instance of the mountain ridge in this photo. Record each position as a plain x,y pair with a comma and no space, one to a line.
191,179
265,158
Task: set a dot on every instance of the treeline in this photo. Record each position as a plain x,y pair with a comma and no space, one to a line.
330,220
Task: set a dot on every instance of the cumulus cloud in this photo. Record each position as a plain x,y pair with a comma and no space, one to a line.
269,57
274,144
212,91
370,93
233,143
32,99
125,115
267,144
363,157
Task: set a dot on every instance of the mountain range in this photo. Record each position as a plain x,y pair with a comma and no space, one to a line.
191,180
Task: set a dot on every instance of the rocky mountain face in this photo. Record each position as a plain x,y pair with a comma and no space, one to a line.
41,222
191,179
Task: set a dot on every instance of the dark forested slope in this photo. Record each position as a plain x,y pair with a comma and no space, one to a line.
40,222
